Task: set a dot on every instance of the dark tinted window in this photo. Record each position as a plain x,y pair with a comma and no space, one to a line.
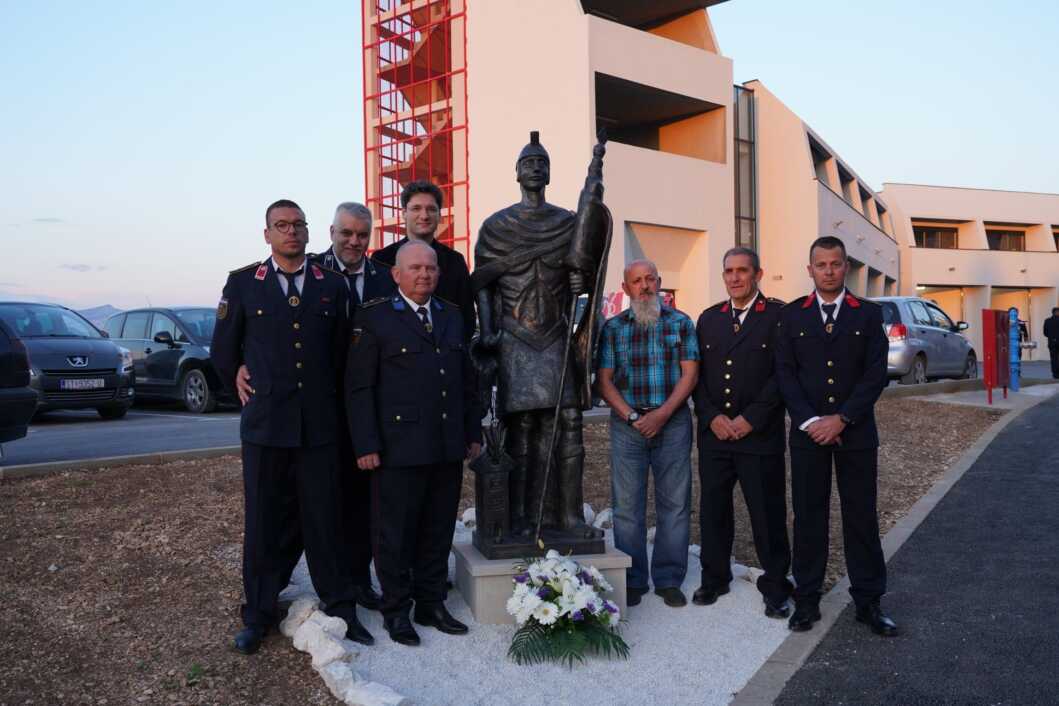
161,323
36,320
889,313
136,325
113,326
199,322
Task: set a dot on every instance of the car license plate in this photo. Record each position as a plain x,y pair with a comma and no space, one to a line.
82,384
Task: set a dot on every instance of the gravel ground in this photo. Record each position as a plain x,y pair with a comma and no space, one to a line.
122,585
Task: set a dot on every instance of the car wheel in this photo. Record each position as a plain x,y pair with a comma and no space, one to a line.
970,368
917,374
113,412
196,393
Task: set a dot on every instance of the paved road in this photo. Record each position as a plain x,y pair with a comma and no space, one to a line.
148,428
975,591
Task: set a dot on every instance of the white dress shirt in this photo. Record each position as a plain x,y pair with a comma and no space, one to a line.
746,310
299,281
357,281
415,307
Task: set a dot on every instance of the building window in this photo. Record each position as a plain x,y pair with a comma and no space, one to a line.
849,185
820,157
1055,234
1006,240
931,237
882,217
745,170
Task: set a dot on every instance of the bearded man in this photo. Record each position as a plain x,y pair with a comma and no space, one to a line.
648,366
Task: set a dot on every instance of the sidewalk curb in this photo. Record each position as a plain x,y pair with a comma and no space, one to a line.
30,470
768,682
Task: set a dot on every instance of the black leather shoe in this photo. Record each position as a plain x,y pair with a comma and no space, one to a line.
366,597
672,596
708,596
633,596
779,610
248,641
879,622
805,614
436,616
401,630
357,632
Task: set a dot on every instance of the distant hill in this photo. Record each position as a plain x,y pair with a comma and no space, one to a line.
99,314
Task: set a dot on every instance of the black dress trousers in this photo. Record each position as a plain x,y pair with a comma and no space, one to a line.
414,519
290,498
762,480
857,473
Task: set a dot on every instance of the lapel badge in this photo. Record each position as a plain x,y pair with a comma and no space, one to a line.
356,335
829,328
317,272
293,300
735,327
222,309
262,270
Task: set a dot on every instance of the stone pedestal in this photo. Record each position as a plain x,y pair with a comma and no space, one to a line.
486,584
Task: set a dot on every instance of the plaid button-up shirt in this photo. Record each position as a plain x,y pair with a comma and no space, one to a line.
646,361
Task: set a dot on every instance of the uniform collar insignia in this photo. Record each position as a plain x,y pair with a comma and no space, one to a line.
398,303
436,303
809,300
760,305
262,270
853,302
317,272
724,309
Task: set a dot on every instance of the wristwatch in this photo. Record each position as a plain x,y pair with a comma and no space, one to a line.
845,420
634,416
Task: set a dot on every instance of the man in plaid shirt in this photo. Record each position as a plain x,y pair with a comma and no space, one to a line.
648,367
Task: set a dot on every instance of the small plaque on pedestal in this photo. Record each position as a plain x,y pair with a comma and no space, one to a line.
486,584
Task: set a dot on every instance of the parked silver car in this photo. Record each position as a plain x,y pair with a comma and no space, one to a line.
925,344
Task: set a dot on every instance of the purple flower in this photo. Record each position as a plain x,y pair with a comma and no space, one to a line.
521,578
611,608
542,592
577,616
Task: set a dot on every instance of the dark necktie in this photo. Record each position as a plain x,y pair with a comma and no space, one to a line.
736,313
422,311
292,286
829,311
353,286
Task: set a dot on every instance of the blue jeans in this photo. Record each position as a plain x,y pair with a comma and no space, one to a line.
668,455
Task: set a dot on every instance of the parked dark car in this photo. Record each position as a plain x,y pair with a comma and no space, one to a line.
18,401
925,344
72,365
171,353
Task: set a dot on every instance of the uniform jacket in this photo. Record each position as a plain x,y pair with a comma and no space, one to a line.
454,283
1051,331
839,373
410,394
295,354
378,282
737,376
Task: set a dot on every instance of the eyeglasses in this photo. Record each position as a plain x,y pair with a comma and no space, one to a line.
287,226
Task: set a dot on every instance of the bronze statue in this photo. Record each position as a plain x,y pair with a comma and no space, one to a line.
532,261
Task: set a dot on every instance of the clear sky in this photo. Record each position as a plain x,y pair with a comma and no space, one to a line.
142,141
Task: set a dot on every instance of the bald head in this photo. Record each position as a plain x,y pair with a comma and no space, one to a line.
415,249
416,270
638,266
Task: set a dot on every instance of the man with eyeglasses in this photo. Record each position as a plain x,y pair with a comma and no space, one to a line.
287,321
422,202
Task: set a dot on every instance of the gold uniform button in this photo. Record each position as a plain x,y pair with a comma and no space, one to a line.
830,381
830,363
728,362
397,418
404,350
727,405
443,371
857,332
727,376
801,333
259,312
764,345
437,350
297,326
727,390
298,345
444,416
831,400
707,346
300,386
444,394
298,365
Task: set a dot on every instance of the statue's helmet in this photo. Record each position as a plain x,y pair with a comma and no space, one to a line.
533,149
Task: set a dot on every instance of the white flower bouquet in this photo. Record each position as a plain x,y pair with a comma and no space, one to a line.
561,613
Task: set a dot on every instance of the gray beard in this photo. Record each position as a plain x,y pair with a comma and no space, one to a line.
646,313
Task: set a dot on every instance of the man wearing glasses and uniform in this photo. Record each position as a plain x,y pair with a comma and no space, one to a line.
287,321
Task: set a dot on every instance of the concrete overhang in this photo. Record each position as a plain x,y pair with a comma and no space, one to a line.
644,15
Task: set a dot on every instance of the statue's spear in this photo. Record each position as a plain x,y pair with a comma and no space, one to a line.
595,174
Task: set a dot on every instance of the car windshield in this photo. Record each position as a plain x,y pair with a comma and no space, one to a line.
41,321
889,313
199,322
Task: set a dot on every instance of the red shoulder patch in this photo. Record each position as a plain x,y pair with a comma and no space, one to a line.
809,300
317,272
760,306
853,302
724,309
262,270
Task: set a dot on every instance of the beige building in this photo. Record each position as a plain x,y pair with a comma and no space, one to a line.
974,249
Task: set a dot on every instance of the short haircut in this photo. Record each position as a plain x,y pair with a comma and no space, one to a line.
411,245
740,250
354,209
282,203
637,262
421,186
827,242
1055,310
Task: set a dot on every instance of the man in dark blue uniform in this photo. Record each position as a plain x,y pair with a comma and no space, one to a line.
831,368
422,202
1051,332
350,235
287,321
741,430
411,387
